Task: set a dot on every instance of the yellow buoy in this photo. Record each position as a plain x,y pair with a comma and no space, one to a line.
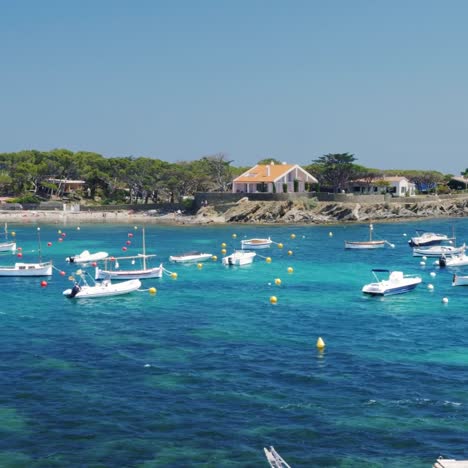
174,275
268,259
223,245
320,343
290,252
234,236
199,265
293,236
290,269
223,251
152,290
13,233
273,299
278,281
214,258
280,245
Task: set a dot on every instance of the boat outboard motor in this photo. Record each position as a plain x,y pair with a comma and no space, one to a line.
442,261
75,290
230,261
70,259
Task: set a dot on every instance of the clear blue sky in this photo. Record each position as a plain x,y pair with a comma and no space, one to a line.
290,79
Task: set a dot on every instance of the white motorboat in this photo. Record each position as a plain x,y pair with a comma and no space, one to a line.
112,268
256,243
27,269
460,280
7,246
239,257
427,238
438,250
397,283
367,244
86,257
81,289
453,260
190,257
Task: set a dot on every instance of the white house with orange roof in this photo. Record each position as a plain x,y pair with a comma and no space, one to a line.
273,178
399,186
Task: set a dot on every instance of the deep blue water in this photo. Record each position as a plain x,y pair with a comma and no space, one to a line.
207,372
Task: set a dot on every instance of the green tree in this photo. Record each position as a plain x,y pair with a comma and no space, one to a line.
335,170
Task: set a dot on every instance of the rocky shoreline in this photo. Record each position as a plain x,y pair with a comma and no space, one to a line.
262,212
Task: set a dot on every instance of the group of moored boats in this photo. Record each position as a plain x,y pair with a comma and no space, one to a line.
107,268
425,244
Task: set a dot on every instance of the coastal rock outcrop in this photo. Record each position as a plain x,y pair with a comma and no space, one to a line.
309,211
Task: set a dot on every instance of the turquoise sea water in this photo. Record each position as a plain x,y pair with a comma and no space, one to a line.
207,372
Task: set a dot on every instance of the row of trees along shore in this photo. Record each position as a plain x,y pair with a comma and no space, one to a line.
32,176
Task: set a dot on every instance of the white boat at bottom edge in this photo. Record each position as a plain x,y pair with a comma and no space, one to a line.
27,269
238,258
460,280
397,283
104,289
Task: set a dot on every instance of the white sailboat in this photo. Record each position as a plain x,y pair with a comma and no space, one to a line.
367,244
112,269
6,245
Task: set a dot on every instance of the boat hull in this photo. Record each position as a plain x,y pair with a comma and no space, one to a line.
378,291
190,258
27,269
104,289
256,243
87,257
7,246
460,280
239,259
437,251
364,245
156,272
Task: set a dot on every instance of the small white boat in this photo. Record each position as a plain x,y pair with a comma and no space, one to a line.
453,260
27,269
7,246
112,268
438,250
87,257
368,244
427,238
239,257
144,273
397,283
460,280
256,243
190,257
274,458
104,289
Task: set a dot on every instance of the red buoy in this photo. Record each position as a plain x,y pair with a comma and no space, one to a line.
124,248
49,244
19,255
43,284
62,273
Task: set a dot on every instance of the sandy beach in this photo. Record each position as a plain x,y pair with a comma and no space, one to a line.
76,218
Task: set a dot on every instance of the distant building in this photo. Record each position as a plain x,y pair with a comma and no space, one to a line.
458,183
399,186
270,178
67,185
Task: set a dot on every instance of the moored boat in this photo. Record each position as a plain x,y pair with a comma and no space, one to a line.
27,269
190,257
396,283
453,260
427,238
438,250
460,280
103,289
87,257
238,258
367,244
256,243
7,246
